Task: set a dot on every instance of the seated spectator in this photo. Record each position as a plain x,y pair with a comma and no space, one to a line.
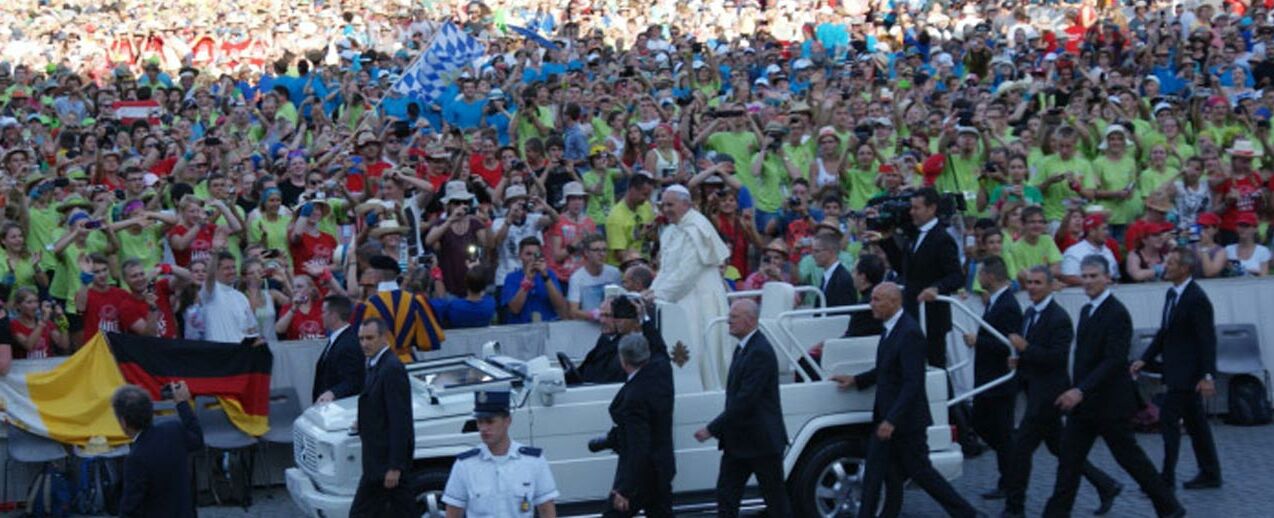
1096,241
638,278
1212,257
775,267
1033,248
584,292
475,309
532,293
1145,262
1247,257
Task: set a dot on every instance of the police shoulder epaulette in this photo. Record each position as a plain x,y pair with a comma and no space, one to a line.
530,452
467,454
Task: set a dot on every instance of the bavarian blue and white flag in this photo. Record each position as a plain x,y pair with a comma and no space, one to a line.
440,64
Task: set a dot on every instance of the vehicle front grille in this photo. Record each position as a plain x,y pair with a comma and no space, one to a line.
306,450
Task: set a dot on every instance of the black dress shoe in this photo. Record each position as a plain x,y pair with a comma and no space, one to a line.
995,494
1012,514
1179,512
1108,499
1202,482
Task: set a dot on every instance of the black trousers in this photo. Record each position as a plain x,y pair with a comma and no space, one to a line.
1078,438
1187,406
1033,430
892,462
993,422
654,497
372,500
734,475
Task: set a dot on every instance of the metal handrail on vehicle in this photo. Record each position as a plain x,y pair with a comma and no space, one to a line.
786,317
818,294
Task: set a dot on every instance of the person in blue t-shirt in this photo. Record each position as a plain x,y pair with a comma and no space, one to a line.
465,112
531,293
497,115
476,309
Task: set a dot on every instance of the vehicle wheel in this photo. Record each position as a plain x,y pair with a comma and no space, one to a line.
429,485
828,482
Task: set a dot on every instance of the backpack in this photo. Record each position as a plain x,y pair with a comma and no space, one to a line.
1249,403
97,488
50,494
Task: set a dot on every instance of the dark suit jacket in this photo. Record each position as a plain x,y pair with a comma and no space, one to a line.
642,435
341,367
385,422
1188,342
991,355
1101,363
899,377
601,364
840,289
157,470
752,423
936,263
1041,368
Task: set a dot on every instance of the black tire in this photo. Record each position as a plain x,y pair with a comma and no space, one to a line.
427,486
817,489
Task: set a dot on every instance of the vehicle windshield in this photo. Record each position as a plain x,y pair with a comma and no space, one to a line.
462,373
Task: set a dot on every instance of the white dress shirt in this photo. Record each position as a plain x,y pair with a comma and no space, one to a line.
924,231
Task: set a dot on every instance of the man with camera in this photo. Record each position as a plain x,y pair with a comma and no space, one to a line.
642,435
533,292
157,471
527,217
620,316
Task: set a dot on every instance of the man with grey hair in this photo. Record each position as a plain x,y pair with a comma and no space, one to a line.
157,470
642,435
690,256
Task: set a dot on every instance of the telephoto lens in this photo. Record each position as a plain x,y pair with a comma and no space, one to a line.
598,444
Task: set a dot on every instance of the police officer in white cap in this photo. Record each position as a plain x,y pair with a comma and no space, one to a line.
500,477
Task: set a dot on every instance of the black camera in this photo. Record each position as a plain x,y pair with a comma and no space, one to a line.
166,391
600,444
725,114
893,212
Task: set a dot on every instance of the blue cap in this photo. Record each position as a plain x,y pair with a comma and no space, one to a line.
490,403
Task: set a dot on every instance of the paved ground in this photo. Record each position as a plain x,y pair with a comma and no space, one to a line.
1246,457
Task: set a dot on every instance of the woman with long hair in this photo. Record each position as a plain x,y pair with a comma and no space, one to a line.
303,318
189,306
263,296
1212,258
1071,230
1145,263
34,331
18,266
1247,257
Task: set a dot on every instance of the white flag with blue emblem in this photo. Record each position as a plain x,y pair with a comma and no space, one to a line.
440,64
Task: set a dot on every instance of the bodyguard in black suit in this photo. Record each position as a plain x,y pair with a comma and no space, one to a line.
899,449
837,283
642,435
339,372
1187,341
993,409
750,432
1043,350
157,470
385,426
930,266
1101,400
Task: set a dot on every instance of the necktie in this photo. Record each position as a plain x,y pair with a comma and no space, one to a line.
919,239
737,351
1085,313
1169,304
1029,321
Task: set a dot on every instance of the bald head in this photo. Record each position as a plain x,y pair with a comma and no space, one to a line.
743,316
886,300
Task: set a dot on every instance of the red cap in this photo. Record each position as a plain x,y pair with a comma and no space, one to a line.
885,168
933,165
1246,218
1208,219
1159,228
1093,221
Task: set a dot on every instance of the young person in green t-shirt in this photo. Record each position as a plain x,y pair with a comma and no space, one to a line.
1035,247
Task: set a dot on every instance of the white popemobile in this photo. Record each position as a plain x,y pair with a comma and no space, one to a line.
828,428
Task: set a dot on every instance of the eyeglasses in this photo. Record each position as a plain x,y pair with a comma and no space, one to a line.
314,182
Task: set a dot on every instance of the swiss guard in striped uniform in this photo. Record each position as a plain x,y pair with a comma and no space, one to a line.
411,320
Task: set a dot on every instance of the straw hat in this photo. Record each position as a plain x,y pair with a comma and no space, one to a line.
388,226
456,190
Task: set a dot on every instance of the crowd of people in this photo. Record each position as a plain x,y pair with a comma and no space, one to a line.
216,177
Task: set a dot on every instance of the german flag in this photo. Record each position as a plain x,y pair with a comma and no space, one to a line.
238,375
411,320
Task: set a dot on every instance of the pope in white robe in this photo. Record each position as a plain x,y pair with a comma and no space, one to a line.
690,256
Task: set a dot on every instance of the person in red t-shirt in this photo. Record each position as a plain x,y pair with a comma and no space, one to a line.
34,333
151,296
193,237
1242,192
101,304
485,160
564,237
303,318
308,244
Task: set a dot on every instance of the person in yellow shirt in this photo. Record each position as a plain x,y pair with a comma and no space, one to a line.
630,224
1034,248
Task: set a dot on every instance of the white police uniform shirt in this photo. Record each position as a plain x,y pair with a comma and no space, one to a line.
489,486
